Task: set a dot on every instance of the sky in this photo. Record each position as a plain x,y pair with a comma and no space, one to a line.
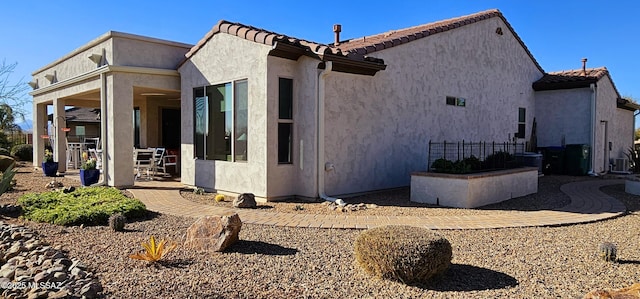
558,33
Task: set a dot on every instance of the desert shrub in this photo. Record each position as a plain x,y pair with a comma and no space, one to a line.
403,253
90,206
5,151
23,152
6,162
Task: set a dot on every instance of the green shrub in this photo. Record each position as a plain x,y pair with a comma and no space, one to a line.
23,152
442,165
403,253
90,206
4,152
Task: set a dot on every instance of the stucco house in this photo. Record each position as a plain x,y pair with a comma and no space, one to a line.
565,106
280,116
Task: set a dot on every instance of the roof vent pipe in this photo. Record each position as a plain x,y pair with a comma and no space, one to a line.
337,28
584,66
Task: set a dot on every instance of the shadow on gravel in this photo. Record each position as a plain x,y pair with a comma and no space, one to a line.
176,263
258,247
470,278
632,262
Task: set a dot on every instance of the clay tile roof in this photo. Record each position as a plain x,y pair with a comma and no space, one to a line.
368,44
570,79
257,35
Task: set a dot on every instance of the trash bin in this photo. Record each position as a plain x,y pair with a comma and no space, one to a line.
530,159
577,159
553,160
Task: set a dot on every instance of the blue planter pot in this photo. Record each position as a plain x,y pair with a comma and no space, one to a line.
50,168
89,176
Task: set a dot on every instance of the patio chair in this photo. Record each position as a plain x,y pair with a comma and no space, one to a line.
163,160
143,160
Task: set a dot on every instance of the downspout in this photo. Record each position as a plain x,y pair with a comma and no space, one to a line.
594,89
103,130
320,134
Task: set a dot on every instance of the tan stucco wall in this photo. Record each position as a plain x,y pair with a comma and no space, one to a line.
619,126
378,128
224,59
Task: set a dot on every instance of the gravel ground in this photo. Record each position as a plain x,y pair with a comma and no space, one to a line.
275,262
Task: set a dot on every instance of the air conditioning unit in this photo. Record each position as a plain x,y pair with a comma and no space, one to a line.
620,166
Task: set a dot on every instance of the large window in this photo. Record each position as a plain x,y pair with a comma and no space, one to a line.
285,121
221,121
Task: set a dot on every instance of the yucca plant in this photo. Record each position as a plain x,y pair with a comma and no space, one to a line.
153,251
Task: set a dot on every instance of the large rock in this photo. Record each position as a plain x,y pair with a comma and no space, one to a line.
245,200
214,233
630,292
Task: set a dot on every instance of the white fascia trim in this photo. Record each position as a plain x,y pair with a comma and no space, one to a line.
102,70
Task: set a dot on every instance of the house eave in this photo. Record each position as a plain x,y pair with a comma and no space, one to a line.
541,86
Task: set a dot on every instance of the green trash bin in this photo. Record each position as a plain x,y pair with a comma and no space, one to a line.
577,159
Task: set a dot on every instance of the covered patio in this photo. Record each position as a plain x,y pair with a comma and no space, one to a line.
132,81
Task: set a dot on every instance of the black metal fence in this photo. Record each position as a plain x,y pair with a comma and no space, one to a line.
465,157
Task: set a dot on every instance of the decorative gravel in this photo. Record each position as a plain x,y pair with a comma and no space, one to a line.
277,262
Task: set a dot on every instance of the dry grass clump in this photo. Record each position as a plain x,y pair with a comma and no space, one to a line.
403,253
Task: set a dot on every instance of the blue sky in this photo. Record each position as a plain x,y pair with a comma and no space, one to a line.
558,33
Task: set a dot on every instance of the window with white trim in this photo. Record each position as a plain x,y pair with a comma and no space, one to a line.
221,121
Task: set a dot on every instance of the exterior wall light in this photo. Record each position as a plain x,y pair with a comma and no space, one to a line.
33,84
50,77
97,58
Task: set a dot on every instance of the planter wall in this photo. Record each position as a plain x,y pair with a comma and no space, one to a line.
473,190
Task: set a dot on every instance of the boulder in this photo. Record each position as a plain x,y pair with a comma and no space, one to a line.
245,200
630,292
213,233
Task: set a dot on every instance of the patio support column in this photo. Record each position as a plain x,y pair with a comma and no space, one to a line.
119,130
39,129
59,122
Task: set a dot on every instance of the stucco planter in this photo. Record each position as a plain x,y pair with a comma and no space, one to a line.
632,185
473,190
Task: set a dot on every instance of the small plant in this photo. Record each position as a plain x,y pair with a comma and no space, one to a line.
198,191
442,165
7,181
634,160
608,252
117,222
298,208
87,163
219,198
153,251
48,156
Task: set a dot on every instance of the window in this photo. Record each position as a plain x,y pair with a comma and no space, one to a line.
453,101
221,121
285,121
136,127
522,118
